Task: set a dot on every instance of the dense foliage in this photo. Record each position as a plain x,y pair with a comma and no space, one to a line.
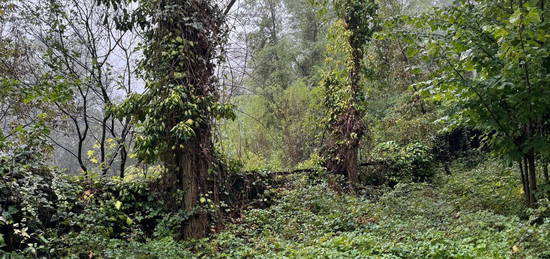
491,73
274,129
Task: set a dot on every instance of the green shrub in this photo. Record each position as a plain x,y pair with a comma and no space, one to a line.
412,162
27,202
98,210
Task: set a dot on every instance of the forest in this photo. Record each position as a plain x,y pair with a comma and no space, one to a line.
274,129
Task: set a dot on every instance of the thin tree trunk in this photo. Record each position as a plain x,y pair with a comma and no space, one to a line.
526,173
524,181
545,173
123,158
532,176
102,147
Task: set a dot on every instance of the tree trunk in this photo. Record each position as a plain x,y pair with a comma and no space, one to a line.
123,158
355,120
351,167
102,147
194,165
532,175
545,173
524,181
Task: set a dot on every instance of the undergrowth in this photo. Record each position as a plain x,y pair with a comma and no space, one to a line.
446,219
475,212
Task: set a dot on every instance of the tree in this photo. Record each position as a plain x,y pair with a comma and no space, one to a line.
344,96
61,60
493,64
25,100
177,109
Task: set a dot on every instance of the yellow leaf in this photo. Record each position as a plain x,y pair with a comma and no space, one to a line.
118,205
515,249
179,75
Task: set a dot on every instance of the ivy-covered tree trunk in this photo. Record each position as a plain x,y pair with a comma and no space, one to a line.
354,127
344,145
346,111
356,118
182,38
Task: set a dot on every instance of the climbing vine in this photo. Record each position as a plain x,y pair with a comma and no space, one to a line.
175,113
344,95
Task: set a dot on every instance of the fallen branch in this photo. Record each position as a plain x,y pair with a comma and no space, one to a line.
312,170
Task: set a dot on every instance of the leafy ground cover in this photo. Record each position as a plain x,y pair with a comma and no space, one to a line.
446,218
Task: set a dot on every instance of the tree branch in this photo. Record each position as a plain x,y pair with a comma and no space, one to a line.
229,6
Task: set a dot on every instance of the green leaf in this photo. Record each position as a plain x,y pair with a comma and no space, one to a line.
433,49
516,17
412,52
533,17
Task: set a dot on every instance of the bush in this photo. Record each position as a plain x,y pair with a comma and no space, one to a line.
46,213
99,209
395,163
27,202
473,213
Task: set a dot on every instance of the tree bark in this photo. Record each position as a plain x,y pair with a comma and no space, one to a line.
194,165
529,194
351,165
123,158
